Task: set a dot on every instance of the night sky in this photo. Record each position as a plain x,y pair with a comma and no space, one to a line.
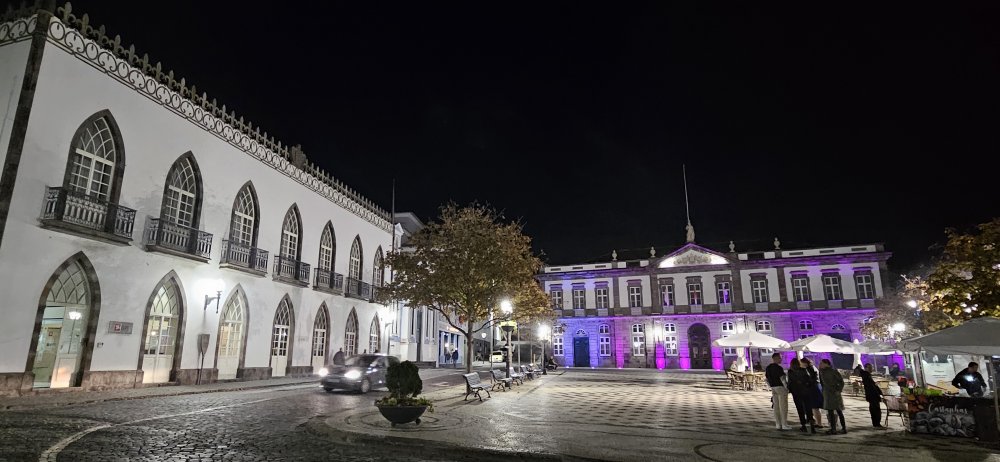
818,126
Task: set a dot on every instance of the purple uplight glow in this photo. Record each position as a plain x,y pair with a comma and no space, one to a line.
661,357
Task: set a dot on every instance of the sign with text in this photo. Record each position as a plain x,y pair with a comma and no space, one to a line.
120,327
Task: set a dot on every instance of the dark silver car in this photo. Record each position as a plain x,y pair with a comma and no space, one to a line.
359,373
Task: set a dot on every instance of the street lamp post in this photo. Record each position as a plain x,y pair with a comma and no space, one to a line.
507,308
543,334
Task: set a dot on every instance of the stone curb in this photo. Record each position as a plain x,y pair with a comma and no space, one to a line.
93,400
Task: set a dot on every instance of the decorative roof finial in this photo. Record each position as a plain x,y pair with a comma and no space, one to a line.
652,251
614,255
732,247
777,244
687,208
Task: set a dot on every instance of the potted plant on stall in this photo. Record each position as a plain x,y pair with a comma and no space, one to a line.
402,405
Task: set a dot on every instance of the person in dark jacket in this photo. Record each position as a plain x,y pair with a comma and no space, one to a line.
894,371
833,402
775,376
971,380
798,386
815,395
873,394
338,357
454,357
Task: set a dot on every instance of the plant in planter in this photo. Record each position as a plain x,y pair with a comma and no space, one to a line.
402,405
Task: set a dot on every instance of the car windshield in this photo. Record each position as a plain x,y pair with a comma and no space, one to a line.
360,360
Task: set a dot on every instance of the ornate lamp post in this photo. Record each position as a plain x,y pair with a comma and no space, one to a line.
507,308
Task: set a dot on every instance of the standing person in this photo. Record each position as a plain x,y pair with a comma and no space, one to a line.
454,357
815,395
775,376
833,402
338,357
798,386
971,380
873,394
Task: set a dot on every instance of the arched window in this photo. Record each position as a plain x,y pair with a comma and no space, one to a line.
670,339
182,193
838,328
374,336
96,162
763,326
378,274
290,234
638,340
580,333
327,248
162,331
321,329
243,230
354,270
282,331
351,334
604,339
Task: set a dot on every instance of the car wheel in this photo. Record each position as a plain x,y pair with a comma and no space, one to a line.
366,386
328,390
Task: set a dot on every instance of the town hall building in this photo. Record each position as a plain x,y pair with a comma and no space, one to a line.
665,311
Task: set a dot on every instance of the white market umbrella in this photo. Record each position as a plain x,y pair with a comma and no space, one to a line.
823,344
750,339
980,336
873,347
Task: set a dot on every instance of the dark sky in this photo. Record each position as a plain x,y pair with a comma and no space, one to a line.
818,126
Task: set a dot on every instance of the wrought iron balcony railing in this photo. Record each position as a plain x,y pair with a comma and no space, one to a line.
244,256
287,268
179,238
357,289
328,280
81,210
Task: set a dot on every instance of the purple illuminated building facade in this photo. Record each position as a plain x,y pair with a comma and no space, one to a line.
665,311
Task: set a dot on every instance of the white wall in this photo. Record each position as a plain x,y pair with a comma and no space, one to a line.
13,58
69,91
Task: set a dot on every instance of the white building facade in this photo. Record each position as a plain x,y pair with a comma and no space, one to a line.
665,312
148,235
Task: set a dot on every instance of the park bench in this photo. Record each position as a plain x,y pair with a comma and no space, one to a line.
476,386
517,376
499,380
527,372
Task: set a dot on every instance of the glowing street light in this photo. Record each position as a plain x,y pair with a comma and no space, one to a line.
897,327
912,304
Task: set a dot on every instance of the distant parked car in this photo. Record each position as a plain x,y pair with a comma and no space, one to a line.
497,357
359,373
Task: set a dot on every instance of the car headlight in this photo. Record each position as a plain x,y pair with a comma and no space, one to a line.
353,374
323,372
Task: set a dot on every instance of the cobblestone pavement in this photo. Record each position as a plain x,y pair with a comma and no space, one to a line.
571,415
650,415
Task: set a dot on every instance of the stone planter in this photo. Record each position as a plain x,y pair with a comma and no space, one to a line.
402,414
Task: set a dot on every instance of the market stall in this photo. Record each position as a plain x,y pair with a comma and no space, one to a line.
935,407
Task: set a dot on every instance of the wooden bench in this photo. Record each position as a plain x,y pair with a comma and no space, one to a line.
475,386
499,380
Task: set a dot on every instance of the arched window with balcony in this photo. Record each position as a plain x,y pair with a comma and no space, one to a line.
177,227
378,269
87,201
240,249
354,268
326,278
287,266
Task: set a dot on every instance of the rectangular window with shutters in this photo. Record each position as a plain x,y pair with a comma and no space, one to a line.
866,288
759,289
635,296
579,298
831,287
601,295
800,288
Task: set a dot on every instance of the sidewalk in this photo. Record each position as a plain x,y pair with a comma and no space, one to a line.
65,397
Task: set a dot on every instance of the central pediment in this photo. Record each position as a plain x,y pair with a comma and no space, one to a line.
692,255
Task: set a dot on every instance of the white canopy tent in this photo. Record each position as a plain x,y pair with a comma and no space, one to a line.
980,336
749,339
823,343
875,348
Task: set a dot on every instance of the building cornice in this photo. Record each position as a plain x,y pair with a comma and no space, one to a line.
94,46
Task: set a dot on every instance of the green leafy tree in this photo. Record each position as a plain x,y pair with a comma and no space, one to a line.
463,266
966,282
900,305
